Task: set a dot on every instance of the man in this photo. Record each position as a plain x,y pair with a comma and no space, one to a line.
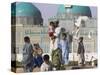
81,51
56,52
27,55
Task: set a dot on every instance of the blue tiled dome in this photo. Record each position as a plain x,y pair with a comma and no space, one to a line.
81,10
24,9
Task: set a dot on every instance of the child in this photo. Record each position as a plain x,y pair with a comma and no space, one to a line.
27,55
47,65
37,59
65,49
51,29
81,51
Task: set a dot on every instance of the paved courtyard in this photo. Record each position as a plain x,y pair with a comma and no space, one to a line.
20,70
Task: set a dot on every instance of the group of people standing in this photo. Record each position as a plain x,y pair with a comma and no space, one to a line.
33,57
59,45
59,51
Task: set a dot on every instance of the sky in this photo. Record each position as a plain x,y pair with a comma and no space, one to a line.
49,10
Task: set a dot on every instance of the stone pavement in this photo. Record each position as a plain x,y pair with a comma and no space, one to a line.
20,70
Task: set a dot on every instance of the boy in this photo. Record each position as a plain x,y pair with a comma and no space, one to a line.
27,55
51,29
65,49
37,59
47,65
81,51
